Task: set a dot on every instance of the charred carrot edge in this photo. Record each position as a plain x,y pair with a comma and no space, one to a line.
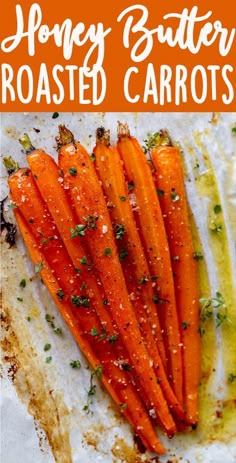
109,168
87,198
135,411
168,176
52,190
153,235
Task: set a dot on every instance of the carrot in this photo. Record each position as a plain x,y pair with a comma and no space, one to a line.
50,184
87,198
152,232
79,321
169,178
134,264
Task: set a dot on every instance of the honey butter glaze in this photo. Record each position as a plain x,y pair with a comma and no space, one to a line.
217,416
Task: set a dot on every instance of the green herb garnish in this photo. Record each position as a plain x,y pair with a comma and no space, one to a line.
107,252
217,209
38,267
119,231
160,193
75,364
214,303
72,171
198,255
60,294
47,347
130,185
23,283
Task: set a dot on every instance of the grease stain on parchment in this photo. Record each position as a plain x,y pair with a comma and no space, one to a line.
24,367
219,415
45,405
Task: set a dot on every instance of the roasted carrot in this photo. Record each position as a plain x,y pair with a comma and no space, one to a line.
87,198
79,321
134,264
135,268
153,235
168,175
50,183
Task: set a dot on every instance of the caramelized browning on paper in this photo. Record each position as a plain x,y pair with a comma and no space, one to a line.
43,403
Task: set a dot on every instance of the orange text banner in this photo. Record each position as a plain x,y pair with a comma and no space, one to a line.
118,56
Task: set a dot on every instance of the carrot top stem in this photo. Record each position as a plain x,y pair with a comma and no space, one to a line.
26,144
163,138
103,136
11,165
65,136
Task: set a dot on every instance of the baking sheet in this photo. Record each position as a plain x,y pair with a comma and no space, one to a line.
42,417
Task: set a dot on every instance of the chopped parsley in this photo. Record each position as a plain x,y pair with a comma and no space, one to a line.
78,231
217,209
38,267
60,294
123,254
113,338
155,299
94,332
47,347
185,325
50,320
123,198
55,115
84,261
75,364
119,231
198,255
48,359
79,301
214,303
131,185
231,377
160,193
72,171
23,283
124,406
107,252
215,228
